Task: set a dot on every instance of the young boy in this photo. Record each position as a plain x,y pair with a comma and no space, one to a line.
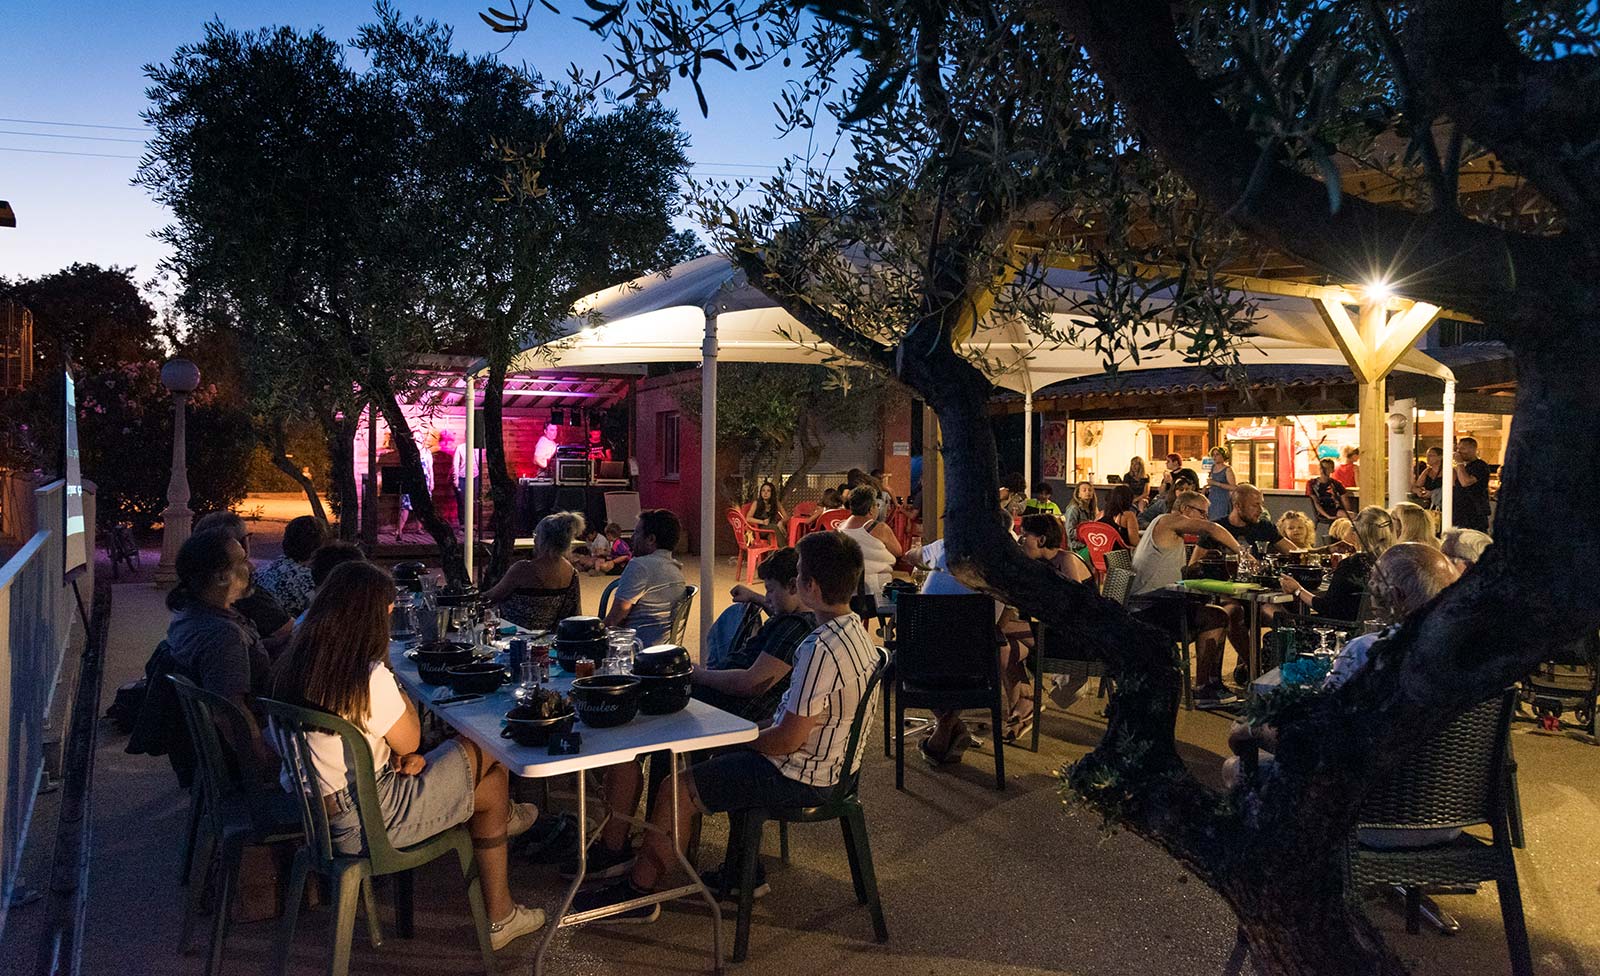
608,554
799,756
1040,503
753,676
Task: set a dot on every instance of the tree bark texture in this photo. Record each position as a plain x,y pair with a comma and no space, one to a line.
280,460
413,481
502,487
341,436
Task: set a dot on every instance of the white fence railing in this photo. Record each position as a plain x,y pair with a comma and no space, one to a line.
37,610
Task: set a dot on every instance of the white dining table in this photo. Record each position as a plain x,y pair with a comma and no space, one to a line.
696,727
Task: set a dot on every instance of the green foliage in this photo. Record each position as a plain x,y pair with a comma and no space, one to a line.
125,436
96,313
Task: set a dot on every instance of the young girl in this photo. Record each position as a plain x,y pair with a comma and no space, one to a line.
337,663
765,510
1084,507
615,555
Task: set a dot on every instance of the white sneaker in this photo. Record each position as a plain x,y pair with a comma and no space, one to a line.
522,921
521,817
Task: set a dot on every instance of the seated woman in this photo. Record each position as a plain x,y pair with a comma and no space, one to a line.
288,578
337,663
879,547
832,501
1465,547
1298,529
538,591
1084,507
765,512
1405,579
1120,515
1374,532
1341,536
1414,524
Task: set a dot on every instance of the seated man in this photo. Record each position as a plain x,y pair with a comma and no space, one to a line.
749,682
1247,523
1465,547
260,607
652,583
1158,563
799,757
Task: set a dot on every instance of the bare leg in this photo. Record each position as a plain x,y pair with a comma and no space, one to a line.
400,529
947,728
490,805
656,854
624,784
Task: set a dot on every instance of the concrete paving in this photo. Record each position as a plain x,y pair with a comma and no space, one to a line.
973,880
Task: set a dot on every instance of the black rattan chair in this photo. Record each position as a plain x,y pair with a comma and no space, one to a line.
843,805
1457,779
946,660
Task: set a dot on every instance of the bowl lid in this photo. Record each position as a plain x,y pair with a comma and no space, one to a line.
660,659
580,628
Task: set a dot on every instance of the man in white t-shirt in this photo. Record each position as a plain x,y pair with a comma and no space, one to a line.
544,450
799,755
652,582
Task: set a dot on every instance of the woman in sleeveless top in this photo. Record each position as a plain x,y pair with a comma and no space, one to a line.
879,548
1119,514
538,591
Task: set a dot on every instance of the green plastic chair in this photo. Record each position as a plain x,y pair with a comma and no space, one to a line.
237,807
843,805
348,873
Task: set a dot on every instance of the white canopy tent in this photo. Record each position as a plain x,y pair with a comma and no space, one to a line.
705,310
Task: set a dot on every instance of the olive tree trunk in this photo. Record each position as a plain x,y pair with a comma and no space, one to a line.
502,486
414,482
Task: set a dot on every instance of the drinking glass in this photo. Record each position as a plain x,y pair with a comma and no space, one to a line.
623,643
529,684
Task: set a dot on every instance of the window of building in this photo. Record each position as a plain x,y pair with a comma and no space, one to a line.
1185,442
667,445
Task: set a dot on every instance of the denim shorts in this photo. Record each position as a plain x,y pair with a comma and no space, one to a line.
414,807
742,779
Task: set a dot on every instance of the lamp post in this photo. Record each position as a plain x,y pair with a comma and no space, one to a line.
180,377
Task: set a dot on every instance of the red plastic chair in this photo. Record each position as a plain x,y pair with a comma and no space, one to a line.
754,543
1101,539
830,520
800,521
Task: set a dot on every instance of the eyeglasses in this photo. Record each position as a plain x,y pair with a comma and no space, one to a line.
1196,508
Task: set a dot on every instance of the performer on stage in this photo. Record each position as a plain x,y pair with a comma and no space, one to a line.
598,451
545,450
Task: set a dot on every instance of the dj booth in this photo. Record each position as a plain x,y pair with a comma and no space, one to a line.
572,483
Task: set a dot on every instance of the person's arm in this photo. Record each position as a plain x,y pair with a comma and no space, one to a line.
1130,521
507,584
405,732
1228,486
1462,478
882,534
744,594
744,682
630,588
786,735
916,558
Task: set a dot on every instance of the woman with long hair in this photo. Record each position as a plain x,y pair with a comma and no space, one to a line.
1136,479
766,511
1043,540
538,591
1413,524
1374,532
337,662
1084,506
1120,515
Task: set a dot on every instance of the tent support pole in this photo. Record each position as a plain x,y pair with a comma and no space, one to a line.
1447,503
1027,438
708,474
467,496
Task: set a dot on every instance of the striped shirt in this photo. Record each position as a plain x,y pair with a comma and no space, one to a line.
831,670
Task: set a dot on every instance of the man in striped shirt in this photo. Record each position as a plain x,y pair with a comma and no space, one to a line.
799,755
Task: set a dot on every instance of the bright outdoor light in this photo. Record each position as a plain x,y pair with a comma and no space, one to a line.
1378,291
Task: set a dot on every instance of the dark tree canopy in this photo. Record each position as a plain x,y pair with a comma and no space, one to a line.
97,313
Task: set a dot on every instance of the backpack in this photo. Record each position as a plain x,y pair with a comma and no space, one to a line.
159,728
124,708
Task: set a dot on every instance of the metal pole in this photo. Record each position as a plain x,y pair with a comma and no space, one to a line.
468,525
1447,504
369,497
708,473
1027,439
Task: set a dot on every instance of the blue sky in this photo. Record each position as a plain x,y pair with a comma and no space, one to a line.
81,64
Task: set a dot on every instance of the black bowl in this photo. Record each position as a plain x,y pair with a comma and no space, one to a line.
534,731
604,701
664,694
477,678
435,658
580,629
1309,577
453,596
662,659
568,652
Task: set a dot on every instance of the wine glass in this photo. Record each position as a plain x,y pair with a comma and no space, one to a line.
1323,635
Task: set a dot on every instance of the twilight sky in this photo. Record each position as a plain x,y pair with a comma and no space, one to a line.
81,64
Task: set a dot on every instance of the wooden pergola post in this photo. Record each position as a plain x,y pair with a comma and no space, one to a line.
1372,345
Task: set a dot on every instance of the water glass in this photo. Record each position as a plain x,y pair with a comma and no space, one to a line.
623,643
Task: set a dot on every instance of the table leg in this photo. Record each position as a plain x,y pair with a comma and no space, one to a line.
1183,625
694,876
553,925
1253,641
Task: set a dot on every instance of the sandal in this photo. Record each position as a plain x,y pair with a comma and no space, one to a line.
1018,727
